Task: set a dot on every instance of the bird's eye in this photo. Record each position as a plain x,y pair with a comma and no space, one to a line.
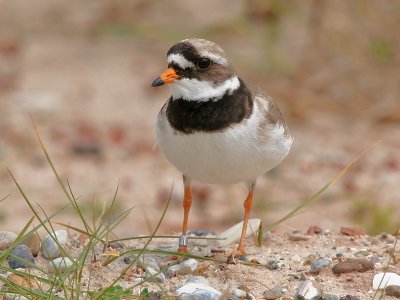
203,63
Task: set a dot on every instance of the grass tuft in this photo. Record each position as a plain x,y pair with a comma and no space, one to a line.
76,281
314,197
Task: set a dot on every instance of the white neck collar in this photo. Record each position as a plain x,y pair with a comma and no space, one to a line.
196,90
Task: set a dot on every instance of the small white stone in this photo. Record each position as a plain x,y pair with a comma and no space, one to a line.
154,275
194,291
307,290
6,239
188,266
239,293
172,271
381,280
50,248
147,261
296,258
59,265
273,293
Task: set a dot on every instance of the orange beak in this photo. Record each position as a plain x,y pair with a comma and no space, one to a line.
168,76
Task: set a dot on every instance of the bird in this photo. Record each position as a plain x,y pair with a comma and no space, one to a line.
215,128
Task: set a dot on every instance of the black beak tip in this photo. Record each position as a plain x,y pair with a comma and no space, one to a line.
157,82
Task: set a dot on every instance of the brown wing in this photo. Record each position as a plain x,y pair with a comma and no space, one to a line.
273,115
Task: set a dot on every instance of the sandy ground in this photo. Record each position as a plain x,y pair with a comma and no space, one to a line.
84,76
292,259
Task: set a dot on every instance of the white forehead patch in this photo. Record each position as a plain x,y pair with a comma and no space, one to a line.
196,90
180,60
215,58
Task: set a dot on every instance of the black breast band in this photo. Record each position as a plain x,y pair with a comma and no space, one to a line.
190,116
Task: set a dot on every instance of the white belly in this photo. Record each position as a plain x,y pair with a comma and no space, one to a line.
237,154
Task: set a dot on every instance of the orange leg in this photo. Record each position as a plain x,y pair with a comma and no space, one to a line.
187,203
248,203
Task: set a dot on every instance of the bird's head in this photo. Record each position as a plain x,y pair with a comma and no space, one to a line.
198,70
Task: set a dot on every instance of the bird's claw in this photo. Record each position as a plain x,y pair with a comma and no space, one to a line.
231,258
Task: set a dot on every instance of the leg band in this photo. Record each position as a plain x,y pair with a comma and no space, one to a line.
183,241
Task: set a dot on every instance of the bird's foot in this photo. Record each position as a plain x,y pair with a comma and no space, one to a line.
182,246
238,251
183,249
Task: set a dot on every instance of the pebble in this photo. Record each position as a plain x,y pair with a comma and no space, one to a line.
187,266
238,294
219,250
50,248
298,237
127,260
86,146
319,264
309,259
172,271
388,279
361,253
146,261
246,258
375,259
353,265
383,236
296,258
59,265
312,230
396,257
393,290
273,293
272,265
32,241
154,276
308,290
200,232
22,252
198,279
329,297
116,245
197,291
6,239
23,281
352,231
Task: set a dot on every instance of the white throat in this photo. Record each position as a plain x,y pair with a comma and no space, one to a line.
196,90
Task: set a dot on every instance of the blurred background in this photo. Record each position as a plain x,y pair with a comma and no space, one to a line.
83,71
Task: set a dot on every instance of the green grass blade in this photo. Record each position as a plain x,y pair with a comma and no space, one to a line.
310,200
101,293
5,197
62,185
